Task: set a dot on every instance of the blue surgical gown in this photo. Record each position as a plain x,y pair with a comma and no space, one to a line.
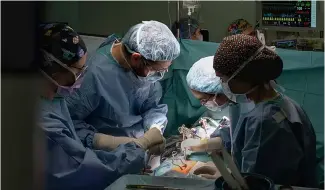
70,165
277,139
114,101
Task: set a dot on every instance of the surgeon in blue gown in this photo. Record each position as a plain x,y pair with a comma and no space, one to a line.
275,138
120,94
206,87
71,165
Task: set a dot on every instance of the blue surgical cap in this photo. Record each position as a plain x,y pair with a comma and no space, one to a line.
185,30
153,40
202,77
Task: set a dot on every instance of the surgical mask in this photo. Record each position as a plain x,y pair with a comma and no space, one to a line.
212,105
68,90
260,36
239,98
64,90
152,76
223,105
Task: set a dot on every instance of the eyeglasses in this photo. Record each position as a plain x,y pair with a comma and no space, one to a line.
81,70
204,101
149,65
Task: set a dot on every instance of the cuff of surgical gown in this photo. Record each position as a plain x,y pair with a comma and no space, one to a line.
224,133
88,140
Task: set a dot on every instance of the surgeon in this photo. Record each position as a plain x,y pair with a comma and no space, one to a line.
242,26
275,138
206,87
120,94
187,30
71,165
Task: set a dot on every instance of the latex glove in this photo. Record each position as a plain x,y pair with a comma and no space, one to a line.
108,142
207,172
208,145
158,149
159,127
150,138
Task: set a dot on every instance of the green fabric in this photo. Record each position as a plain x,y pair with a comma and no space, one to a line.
303,79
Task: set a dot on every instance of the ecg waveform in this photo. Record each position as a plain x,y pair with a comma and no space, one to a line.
289,13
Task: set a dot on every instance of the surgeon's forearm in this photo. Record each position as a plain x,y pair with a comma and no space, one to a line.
108,142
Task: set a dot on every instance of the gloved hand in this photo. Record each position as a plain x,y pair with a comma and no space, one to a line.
158,149
151,138
108,142
208,172
208,145
159,127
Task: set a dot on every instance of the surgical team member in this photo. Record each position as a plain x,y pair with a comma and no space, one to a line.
275,138
120,94
71,165
242,26
206,87
192,31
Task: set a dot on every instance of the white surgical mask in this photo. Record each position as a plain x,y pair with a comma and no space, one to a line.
260,36
152,76
239,98
214,106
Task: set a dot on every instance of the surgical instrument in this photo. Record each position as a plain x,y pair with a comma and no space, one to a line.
156,187
174,154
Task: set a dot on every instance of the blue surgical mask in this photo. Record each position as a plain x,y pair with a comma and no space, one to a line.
239,98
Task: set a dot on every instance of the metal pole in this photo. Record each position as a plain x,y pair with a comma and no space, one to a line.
178,31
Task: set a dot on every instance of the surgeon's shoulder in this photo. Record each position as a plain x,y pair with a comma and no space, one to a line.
267,113
101,63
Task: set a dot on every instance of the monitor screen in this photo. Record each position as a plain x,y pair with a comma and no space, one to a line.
289,13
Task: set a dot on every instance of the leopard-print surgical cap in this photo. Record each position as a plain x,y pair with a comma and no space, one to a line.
237,49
